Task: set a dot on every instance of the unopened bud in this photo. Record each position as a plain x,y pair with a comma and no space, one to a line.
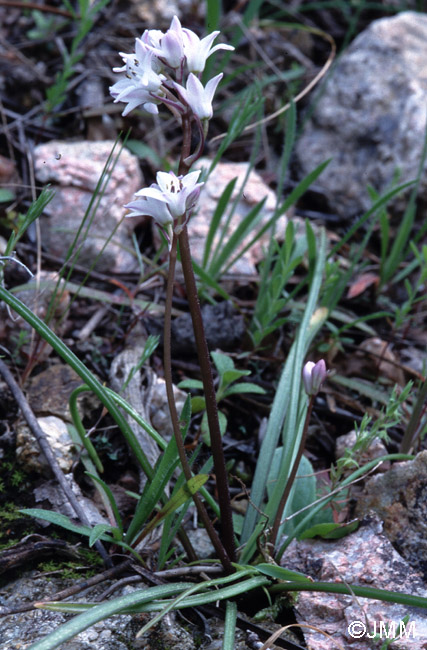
313,375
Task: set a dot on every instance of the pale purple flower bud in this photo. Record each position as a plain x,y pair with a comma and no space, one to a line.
197,50
199,97
168,47
313,375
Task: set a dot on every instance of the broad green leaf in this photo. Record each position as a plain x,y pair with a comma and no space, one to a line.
222,362
198,404
246,387
61,520
99,530
194,384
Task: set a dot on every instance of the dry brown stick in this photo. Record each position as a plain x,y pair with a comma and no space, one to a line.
48,453
33,5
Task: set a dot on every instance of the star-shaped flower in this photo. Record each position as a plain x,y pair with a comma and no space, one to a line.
197,50
199,97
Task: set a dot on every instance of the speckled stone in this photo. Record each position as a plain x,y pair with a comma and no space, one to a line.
370,117
399,497
365,558
73,169
19,631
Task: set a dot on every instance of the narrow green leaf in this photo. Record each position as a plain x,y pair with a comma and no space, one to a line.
98,533
280,573
186,492
330,530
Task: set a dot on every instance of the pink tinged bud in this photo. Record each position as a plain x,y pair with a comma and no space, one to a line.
313,375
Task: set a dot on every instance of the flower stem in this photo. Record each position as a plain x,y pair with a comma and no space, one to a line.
227,532
291,477
223,555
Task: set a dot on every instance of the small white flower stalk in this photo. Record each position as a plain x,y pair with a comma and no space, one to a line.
155,71
165,68
313,376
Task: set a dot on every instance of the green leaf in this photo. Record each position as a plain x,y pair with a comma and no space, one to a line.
98,532
61,520
232,375
331,530
153,490
205,427
191,384
198,404
246,387
280,573
192,486
284,415
111,501
6,195
222,362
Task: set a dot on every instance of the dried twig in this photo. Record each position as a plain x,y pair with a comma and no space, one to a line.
48,453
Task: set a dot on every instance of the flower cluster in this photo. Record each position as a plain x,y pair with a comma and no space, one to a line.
155,72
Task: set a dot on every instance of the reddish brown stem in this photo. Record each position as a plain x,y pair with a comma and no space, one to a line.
227,531
219,547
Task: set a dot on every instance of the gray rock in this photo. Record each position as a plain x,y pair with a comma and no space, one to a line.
74,169
399,497
224,329
371,116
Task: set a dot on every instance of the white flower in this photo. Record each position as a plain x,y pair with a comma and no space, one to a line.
168,47
152,208
199,97
197,51
179,193
313,375
141,81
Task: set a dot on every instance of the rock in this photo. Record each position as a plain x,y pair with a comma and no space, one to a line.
29,454
399,498
50,496
48,393
159,408
370,116
364,558
224,329
74,169
19,631
255,189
